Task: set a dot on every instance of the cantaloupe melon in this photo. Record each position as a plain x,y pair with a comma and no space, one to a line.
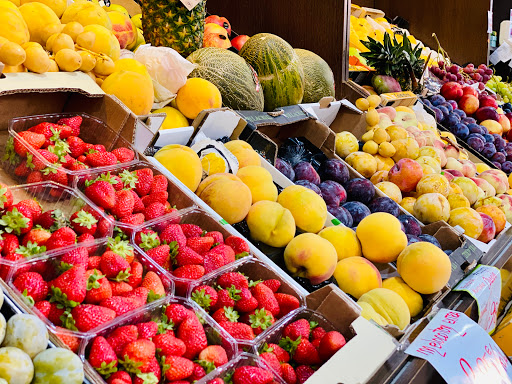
318,76
279,69
237,82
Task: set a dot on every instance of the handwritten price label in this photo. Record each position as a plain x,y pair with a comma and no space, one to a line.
190,4
461,351
484,285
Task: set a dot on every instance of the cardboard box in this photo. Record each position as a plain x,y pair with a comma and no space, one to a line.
395,99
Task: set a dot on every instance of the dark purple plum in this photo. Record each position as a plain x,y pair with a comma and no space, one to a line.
488,138
430,239
453,103
448,106
437,100
308,184
439,114
411,224
444,110
342,214
360,189
468,120
333,193
475,128
500,144
412,239
489,150
496,164
460,112
357,210
506,167
305,171
335,170
499,157
427,103
460,130
384,204
452,120
476,143
285,168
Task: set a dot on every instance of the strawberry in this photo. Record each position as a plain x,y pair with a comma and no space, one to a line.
22,170
37,236
120,288
70,288
114,266
138,206
260,320
34,177
213,261
191,230
173,232
272,361
56,314
225,314
26,140
147,330
68,161
282,355
43,128
69,340
78,257
187,256
160,255
16,220
192,333
153,211
116,182
154,285
299,328
201,245
101,193
120,305
61,132
197,374
238,244
102,357
43,307
226,298
155,197
136,271
252,375
266,298
85,238
216,236
122,336
235,279
239,331
32,286
83,222
305,352
88,316
139,294
214,354
38,164
216,381
94,262
147,239
134,220
144,181
78,166
100,159
317,333
98,287
121,248
123,154
52,220
205,296
168,345
125,202
72,122
137,354
76,146
331,343
99,148
316,343
288,374
62,237
177,313
11,244
120,377
247,302
303,372
149,373
55,173
287,303
192,272
273,284
179,368
104,226
227,253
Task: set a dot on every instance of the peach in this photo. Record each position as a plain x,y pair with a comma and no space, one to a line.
469,104
406,174
492,126
385,307
427,169
391,190
243,152
451,151
405,149
363,163
434,264
457,201
384,163
496,178
453,163
493,200
468,187
489,229
182,162
412,298
389,111
213,178
454,173
480,167
123,28
496,214
507,206
427,160
259,181
431,207
379,176
447,175
488,189
469,220
454,188
346,143
510,180
271,224
396,133
505,123
434,183
308,208
407,203
344,240
468,168
356,276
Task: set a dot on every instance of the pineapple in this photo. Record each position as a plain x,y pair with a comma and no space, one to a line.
169,23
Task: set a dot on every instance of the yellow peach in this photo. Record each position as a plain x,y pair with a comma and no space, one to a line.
344,240
356,276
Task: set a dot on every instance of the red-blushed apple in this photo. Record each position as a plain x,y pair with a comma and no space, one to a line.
505,123
487,113
467,90
239,41
222,21
469,104
451,90
406,174
489,230
488,101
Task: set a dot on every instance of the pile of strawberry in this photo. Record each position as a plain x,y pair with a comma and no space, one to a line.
246,374
189,252
244,308
302,348
131,197
81,291
173,347
59,144
26,230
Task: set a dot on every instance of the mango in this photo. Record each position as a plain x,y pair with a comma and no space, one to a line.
271,223
344,240
469,220
38,16
431,207
13,26
259,181
387,304
132,88
381,237
243,152
308,208
356,276
412,298
424,267
86,13
183,163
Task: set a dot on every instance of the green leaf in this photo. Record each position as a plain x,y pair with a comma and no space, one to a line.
234,293
207,365
123,275
289,345
128,178
85,219
149,241
148,378
107,369
14,221
202,298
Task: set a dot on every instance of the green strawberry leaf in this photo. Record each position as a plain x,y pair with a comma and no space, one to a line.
130,365
10,154
207,365
260,319
231,314
149,241
107,369
123,275
128,178
85,219
30,250
92,281
29,300
30,164
241,255
68,321
120,246
14,221
202,298
289,345
234,293
152,296
148,378
254,283
165,324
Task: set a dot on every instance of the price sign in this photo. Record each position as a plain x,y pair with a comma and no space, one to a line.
461,351
484,285
190,4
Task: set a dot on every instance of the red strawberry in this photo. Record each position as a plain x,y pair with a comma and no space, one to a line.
147,239
225,314
68,161
102,357
43,307
70,340
169,345
144,181
191,230
32,206
247,302
39,164
331,343
213,261
98,287
205,296
11,244
187,256
83,222
37,236
150,372
52,220
34,177
55,173
226,298
138,207
252,375
100,159
120,377
139,294
134,220
22,170
239,331
120,305
94,262
70,288
116,182
266,298
160,255
78,257
197,374
123,154
155,197
282,355
17,220
154,285
235,279
120,288
85,238
177,313
6,198
88,316
72,122
288,374
136,271
76,146
272,361
56,313
317,333
43,128
260,320
179,368
125,202
191,332
62,237
238,244
306,353
299,328
138,353
273,284
104,226
200,245
25,140
214,354
153,211
122,336
32,286
102,193
217,237
173,232
226,252
114,266
147,330
287,303
99,148
159,184
122,248
192,272
303,372
78,166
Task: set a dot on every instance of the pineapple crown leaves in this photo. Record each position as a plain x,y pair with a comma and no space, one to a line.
234,293
231,314
60,148
107,369
85,219
289,345
128,178
29,300
148,378
260,319
165,324
13,221
152,296
67,320
31,249
3,196
58,296
30,163
149,241
253,283
120,246
202,298
123,275
207,365
130,365
92,280
10,154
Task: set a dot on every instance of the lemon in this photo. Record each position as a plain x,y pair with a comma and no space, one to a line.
174,119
